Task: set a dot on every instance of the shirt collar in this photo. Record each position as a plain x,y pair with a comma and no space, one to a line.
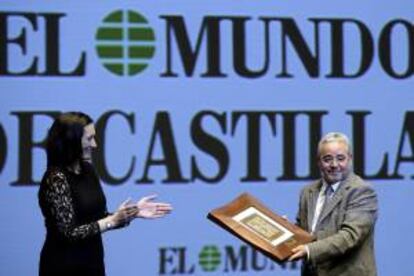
334,186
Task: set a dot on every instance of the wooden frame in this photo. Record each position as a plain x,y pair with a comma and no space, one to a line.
251,221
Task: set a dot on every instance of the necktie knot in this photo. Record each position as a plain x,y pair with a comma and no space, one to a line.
329,191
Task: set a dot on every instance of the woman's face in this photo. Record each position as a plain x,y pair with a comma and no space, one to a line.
88,142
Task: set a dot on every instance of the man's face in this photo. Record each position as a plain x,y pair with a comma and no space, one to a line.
88,142
334,161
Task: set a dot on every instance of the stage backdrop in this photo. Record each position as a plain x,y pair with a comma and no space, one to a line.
199,101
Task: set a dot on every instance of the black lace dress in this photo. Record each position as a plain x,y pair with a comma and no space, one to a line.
71,205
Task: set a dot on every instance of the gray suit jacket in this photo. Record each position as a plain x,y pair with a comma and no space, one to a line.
344,243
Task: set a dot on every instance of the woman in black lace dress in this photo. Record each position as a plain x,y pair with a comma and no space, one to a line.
74,205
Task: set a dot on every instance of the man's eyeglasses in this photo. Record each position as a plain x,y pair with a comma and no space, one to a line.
329,159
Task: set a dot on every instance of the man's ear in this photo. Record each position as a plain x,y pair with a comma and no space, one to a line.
318,161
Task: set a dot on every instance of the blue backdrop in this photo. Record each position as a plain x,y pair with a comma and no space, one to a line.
199,102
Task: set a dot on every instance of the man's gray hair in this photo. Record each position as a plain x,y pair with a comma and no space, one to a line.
335,137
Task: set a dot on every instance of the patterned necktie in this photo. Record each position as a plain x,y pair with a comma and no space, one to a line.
323,199
329,193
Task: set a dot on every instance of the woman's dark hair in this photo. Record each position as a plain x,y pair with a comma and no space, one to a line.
64,139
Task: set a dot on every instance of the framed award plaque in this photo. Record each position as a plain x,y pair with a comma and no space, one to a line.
251,221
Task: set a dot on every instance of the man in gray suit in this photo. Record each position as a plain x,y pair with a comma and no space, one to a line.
340,210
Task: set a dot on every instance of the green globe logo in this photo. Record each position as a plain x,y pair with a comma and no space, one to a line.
125,43
209,258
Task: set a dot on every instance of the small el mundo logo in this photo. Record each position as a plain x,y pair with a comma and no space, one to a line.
125,42
209,258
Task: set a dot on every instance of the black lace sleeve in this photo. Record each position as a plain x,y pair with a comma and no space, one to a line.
59,200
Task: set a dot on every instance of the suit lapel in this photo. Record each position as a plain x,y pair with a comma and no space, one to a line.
337,197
